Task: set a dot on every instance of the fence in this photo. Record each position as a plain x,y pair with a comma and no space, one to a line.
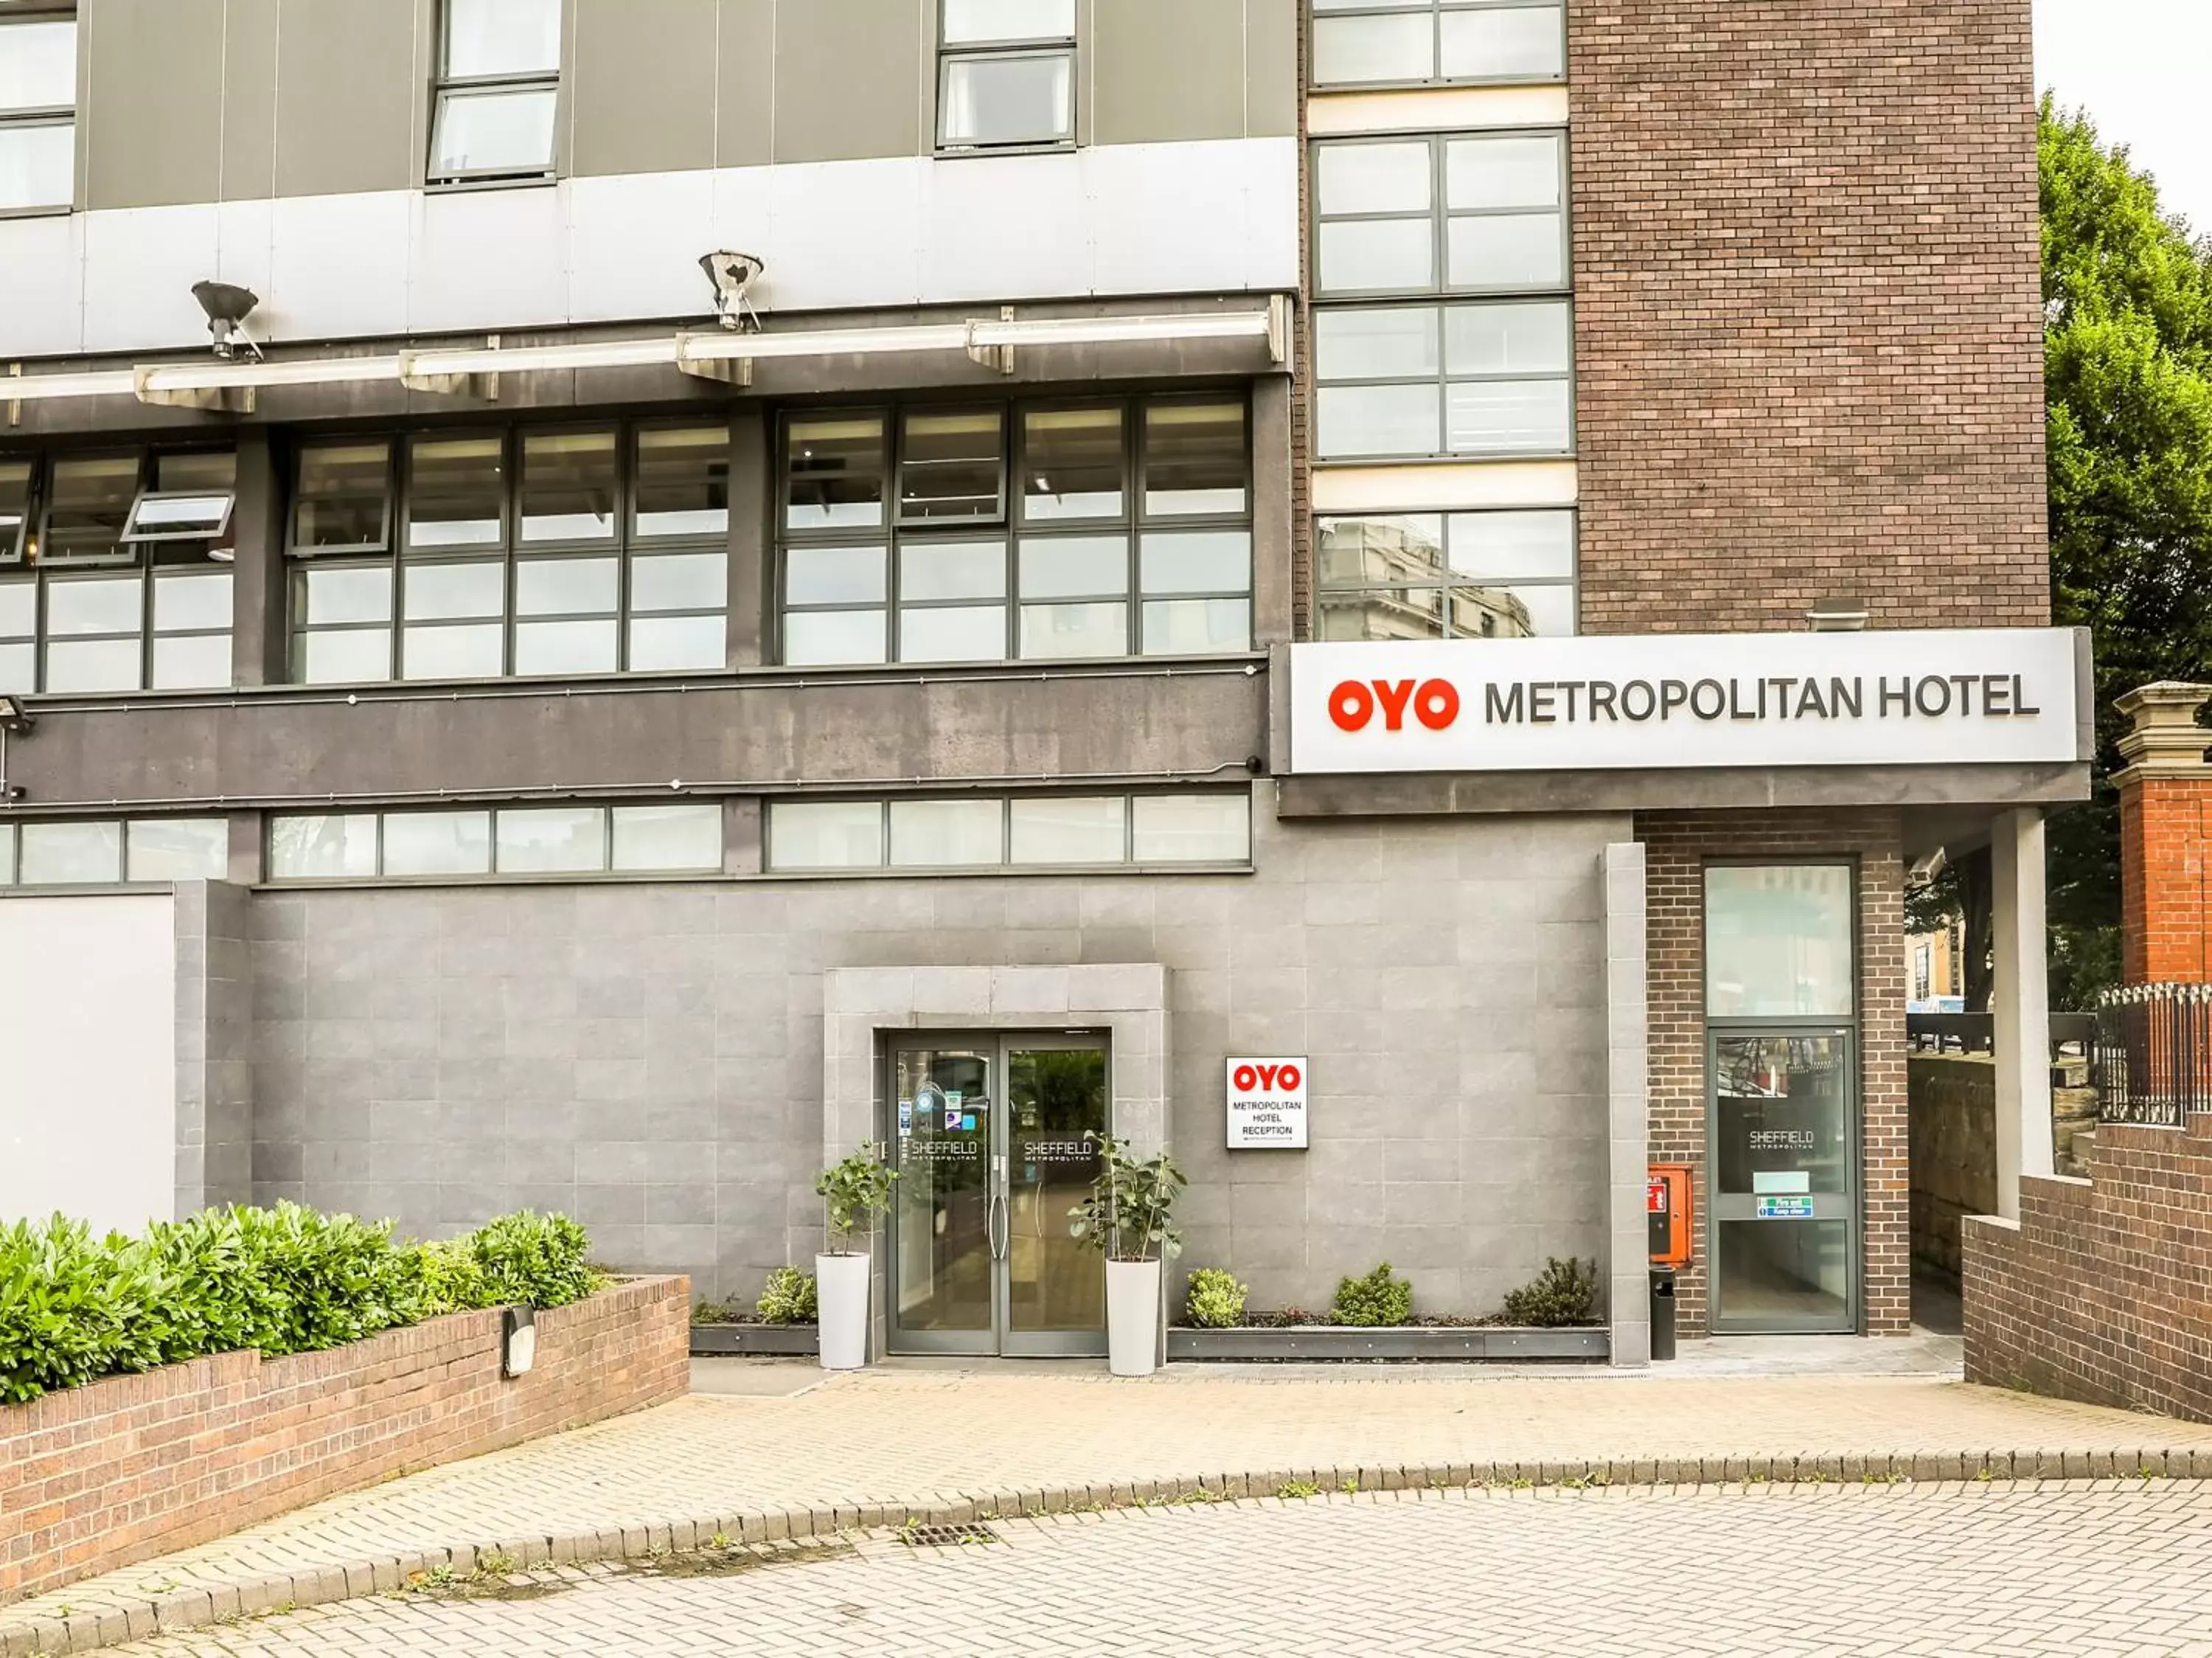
1971,1032
2151,1063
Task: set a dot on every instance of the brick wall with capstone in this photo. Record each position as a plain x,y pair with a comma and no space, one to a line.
102,1476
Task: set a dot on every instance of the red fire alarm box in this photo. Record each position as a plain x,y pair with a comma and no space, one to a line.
1667,1204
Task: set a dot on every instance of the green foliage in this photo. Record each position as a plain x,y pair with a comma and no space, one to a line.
859,1188
789,1297
65,1303
1130,1213
1377,1299
1565,1293
1215,1300
527,1258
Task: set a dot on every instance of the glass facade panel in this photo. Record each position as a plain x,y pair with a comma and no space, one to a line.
88,504
1075,630
1400,343
14,507
37,166
935,571
1778,940
342,847
566,587
1510,417
1196,561
349,657
951,466
191,602
103,605
1191,828
568,486
673,644
1506,250
437,844
1508,340
1192,627
70,854
192,661
551,840
83,665
928,834
687,581
837,466
458,492
1196,459
448,592
1392,177
1053,831
1375,50
831,639
1503,43
1351,421
1074,566
502,37
668,838
1073,464
493,131
1508,545
560,649
341,494
1017,98
450,652
953,633
37,63
682,485
826,834
989,22
178,849
834,576
1375,256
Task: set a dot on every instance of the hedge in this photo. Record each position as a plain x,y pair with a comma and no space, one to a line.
74,1307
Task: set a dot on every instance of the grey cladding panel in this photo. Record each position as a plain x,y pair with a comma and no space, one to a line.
1166,69
644,85
249,100
849,78
153,124
347,94
1270,69
745,121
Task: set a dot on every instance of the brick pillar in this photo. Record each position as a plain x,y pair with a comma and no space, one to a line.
2166,837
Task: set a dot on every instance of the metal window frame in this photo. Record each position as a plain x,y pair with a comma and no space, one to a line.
950,52
1441,214
901,462
1444,380
445,84
123,552
607,812
121,828
600,814
885,867
1437,10
134,535
631,437
12,551
44,115
1447,581
155,632
620,527
302,630
294,548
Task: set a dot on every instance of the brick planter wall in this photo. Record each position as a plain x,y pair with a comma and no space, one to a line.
2102,1291
122,1470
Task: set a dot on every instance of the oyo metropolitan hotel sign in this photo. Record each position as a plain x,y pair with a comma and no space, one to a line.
1920,697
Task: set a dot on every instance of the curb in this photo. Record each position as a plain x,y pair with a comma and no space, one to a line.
135,1617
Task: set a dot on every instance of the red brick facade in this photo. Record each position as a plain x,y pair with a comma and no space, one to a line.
120,1470
1808,337
2103,1291
1677,846
2166,879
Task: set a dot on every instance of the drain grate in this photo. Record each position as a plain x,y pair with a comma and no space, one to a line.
947,1537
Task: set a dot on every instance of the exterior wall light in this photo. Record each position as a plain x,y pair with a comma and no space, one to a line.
1837,616
518,1343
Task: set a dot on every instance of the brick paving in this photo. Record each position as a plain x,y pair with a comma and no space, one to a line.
872,1446
2078,1568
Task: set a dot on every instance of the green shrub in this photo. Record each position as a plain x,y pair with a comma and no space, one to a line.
1565,1293
1215,1300
66,1300
1378,1298
537,1259
789,1298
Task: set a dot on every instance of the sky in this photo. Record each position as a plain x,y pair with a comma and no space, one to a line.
2143,69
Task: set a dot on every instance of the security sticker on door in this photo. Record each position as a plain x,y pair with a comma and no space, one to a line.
1268,1104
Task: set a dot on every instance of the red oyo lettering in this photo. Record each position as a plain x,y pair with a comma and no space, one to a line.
1266,1079
1435,703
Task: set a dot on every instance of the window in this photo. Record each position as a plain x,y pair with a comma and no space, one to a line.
546,553
1434,575
114,571
107,854
1778,941
38,114
1406,42
1481,213
1022,832
1444,380
499,85
684,838
1047,531
1006,73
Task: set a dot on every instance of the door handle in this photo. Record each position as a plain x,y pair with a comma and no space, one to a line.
998,1206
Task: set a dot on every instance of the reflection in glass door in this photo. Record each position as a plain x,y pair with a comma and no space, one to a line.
988,1139
1784,1199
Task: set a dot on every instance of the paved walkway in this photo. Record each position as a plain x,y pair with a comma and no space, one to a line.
869,1447
1854,1573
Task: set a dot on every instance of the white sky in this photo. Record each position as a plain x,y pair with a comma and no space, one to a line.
2143,69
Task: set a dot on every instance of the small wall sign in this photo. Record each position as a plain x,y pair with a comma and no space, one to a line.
1268,1104
1785,1209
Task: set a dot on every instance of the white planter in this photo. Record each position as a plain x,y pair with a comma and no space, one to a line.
841,1284
1133,1317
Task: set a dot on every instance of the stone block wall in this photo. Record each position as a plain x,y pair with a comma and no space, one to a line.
1954,1154
119,1471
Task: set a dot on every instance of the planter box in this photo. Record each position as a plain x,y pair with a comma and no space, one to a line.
756,1340
1323,1341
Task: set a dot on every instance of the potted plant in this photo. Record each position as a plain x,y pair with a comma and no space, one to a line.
1129,1218
854,1192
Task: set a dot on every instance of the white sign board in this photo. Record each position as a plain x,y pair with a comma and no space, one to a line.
1932,696
1268,1104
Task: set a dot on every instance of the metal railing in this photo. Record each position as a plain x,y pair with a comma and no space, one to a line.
2071,1034
2151,1063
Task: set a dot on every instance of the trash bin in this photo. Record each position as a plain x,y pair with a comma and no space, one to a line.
1663,1313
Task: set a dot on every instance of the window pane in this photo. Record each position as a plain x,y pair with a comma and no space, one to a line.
825,834
1511,417
1067,631
950,466
211,472
1507,250
37,65
1088,831
837,472
1514,44
345,657
342,596
682,581
1373,178
833,575
1195,458
14,505
1778,940
102,664
504,130
1203,561
37,166
961,633
1392,345
967,23
7,853
323,848
1074,566
930,834
19,608
1007,101
92,498
553,839
828,638
1374,255
342,495
1511,545
687,837
1189,627
503,36
565,587
1513,613
18,668
666,644
437,844
1377,549
1504,172
1072,463
953,569
436,592
1507,339
1191,828
1348,49
70,854
194,602
178,518
568,486
543,647
179,849
1356,420
199,661
683,481
452,653
457,493
110,605
1383,614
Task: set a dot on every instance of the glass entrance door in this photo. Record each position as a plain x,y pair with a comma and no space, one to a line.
1784,1199
988,1139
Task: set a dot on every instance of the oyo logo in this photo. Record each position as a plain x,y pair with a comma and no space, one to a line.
1355,703
1267,1079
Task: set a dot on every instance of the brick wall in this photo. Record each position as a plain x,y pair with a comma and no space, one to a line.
2102,1291
1808,336
2165,879
1676,845
122,1470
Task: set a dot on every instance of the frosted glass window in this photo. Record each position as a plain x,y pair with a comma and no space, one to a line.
670,643
553,839
947,834
1503,43
37,65
1015,98
323,848
986,22
178,849
1070,831
1194,627
7,854
682,581
1409,42
1778,940
437,844
75,665
1191,828
673,837
1374,50
199,661
831,639
113,606
1075,630
825,834
502,37
70,854
1196,561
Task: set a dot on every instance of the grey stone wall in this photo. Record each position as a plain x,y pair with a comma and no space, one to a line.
213,1045
651,1057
